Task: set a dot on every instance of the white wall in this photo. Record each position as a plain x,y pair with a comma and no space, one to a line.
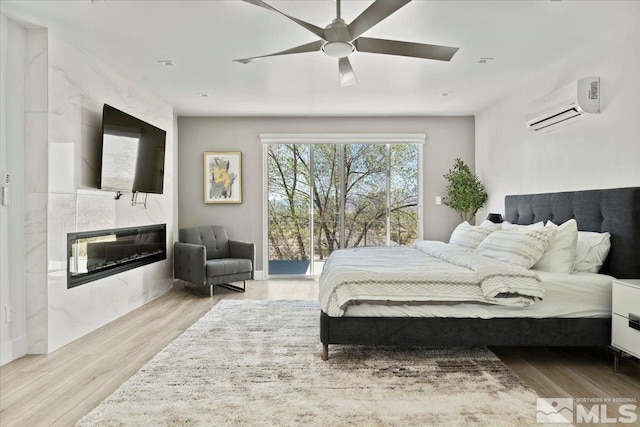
12,292
601,152
64,91
447,139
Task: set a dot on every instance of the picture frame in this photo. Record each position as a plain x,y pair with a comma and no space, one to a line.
223,177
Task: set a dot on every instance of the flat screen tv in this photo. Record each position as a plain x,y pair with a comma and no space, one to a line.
132,154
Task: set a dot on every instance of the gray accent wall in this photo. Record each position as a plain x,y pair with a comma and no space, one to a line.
447,139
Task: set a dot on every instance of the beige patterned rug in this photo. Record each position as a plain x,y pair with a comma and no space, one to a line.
257,363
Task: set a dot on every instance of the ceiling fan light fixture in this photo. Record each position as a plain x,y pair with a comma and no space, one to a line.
338,49
339,39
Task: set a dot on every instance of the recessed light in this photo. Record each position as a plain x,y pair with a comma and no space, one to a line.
167,62
203,95
484,60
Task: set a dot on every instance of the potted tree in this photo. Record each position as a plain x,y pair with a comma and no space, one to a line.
465,192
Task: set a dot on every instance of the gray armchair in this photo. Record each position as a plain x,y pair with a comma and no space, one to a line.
205,256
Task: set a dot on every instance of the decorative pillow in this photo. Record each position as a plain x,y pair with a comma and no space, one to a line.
490,224
520,246
469,236
560,255
506,225
591,251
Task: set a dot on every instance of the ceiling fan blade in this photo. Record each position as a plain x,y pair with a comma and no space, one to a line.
415,50
315,30
375,13
347,75
309,47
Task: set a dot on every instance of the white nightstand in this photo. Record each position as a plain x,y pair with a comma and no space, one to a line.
625,318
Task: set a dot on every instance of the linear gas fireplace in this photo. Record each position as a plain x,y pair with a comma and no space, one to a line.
94,255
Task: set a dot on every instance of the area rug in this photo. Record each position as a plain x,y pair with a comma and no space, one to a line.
257,363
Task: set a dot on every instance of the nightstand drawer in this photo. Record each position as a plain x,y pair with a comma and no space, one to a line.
625,337
625,300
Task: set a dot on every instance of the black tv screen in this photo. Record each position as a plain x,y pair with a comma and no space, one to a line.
132,153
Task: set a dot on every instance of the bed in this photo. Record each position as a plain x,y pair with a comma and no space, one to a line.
616,211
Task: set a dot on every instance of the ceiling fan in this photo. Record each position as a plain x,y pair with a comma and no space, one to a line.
339,39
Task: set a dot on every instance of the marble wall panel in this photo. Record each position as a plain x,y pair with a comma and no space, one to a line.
72,312
147,283
61,221
37,313
61,167
95,210
35,232
36,75
79,85
35,152
66,89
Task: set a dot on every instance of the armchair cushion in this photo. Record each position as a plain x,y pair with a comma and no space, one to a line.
227,266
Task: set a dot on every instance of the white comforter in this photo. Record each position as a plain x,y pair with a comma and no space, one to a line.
430,272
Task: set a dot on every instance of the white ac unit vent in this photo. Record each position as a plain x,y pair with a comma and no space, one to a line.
571,103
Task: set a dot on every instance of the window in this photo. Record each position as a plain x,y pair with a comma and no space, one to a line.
326,192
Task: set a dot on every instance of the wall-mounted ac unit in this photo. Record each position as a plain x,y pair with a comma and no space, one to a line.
571,103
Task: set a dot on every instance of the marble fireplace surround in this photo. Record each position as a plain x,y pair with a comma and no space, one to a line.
65,90
97,254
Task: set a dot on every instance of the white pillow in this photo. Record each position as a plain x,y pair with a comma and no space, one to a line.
591,251
509,226
520,246
469,236
489,224
560,255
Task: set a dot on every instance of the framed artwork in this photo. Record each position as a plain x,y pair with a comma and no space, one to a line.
223,177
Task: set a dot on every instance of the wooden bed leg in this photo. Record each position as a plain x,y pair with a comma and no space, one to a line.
325,352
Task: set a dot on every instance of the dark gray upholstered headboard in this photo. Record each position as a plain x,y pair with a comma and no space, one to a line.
614,210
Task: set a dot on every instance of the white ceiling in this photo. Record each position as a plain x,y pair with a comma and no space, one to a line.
202,38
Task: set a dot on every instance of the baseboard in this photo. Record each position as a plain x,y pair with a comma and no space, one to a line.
13,350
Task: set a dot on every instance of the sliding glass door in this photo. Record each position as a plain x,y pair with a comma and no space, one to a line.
366,195
327,199
326,196
404,194
289,201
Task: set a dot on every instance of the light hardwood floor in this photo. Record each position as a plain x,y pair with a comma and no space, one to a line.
59,388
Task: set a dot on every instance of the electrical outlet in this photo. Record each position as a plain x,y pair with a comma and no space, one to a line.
438,200
8,314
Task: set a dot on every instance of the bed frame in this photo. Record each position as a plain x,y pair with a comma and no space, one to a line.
614,210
